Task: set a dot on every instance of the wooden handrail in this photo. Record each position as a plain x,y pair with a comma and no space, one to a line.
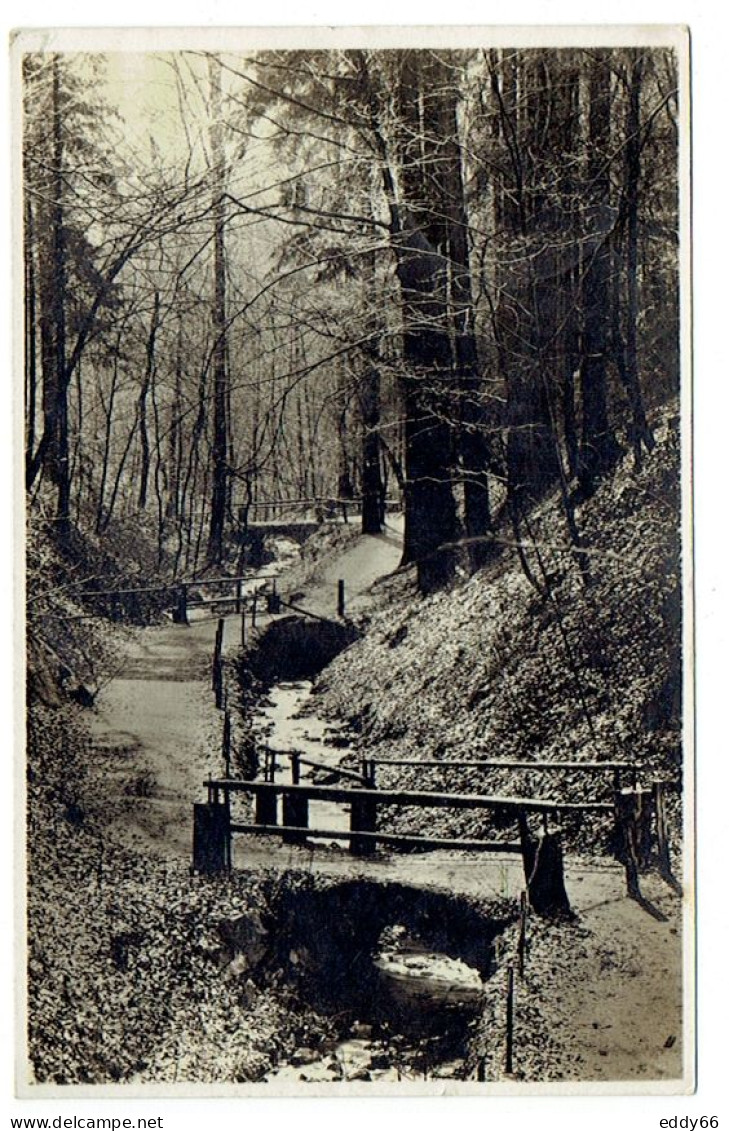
506,763
340,770
174,585
308,499
304,612
417,799
385,838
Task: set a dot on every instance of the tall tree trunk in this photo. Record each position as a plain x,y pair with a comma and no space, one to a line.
372,488
220,471
53,321
641,433
532,458
108,420
174,443
147,380
598,447
120,472
430,512
474,448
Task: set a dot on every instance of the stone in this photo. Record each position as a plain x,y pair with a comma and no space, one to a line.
304,1056
245,940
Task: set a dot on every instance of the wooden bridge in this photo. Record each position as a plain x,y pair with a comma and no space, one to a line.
313,508
245,594
636,813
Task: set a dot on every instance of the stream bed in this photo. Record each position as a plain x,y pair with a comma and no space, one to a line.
406,1014
404,1006
283,720
415,1026
399,970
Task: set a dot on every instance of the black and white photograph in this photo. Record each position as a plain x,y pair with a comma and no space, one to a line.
358,671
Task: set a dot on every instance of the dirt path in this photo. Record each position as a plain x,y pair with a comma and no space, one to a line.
156,736
359,566
621,1010
156,732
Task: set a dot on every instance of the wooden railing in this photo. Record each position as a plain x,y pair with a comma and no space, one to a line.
634,811
288,508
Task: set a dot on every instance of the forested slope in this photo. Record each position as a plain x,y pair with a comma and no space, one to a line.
494,668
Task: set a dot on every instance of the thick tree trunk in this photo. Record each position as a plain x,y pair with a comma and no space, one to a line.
53,322
174,448
641,433
598,447
474,448
430,511
532,456
372,488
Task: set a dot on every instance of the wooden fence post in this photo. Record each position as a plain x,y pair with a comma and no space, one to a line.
626,828
228,835
366,771
663,851
295,815
218,664
211,850
243,628
340,598
363,819
521,947
509,1066
180,616
266,808
254,609
544,871
238,595
226,742
274,600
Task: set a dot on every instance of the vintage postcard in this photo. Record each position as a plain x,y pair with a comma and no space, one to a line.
358,569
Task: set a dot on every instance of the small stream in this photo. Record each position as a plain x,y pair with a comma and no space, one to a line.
287,729
415,1024
406,1005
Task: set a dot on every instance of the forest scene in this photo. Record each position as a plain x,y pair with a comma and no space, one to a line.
353,436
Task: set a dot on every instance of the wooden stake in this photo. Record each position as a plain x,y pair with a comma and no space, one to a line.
662,846
509,1020
626,827
243,628
226,743
340,598
181,616
218,664
217,651
521,948
238,595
